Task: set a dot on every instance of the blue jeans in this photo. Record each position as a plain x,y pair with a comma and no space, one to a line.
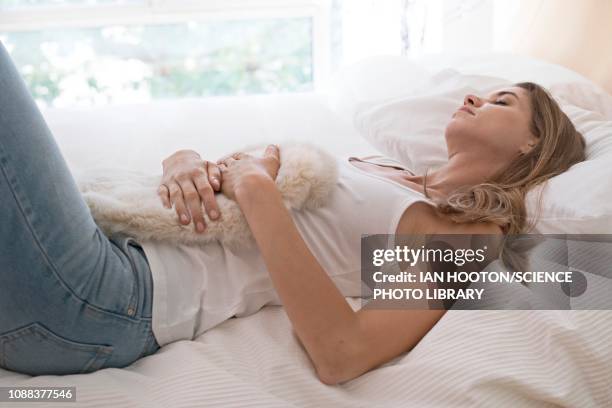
72,300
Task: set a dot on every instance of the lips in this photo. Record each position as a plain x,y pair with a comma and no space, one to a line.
466,109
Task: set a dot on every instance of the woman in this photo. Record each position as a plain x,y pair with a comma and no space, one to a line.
74,301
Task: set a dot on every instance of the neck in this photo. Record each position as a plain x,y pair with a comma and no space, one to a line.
462,169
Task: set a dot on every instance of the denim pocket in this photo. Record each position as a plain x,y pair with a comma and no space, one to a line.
36,350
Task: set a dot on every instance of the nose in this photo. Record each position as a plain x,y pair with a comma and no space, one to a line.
472,100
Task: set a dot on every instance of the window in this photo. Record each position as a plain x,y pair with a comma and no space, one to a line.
92,52
24,4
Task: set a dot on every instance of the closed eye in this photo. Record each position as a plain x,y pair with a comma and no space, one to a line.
500,102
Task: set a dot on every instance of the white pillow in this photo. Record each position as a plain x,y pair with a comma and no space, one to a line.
411,130
584,95
579,201
373,81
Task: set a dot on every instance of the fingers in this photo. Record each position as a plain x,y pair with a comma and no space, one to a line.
188,194
187,200
164,195
176,196
214,175
224,158
193,203
273,152
207,194
232,156
228,161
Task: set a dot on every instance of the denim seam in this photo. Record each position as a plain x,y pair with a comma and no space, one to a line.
3,169
150,339
136,297
141,290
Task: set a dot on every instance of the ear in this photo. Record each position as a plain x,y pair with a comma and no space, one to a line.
527,147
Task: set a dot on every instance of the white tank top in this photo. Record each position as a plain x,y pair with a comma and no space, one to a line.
196,288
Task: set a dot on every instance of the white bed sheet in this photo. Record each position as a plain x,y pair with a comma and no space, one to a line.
470,358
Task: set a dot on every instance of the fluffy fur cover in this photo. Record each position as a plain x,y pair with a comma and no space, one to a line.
126,201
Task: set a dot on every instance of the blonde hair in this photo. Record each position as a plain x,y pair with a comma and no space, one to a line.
501,199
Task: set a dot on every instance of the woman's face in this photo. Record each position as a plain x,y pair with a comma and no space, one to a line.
494,127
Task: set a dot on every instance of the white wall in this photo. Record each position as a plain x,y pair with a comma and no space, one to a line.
370,27
573,33
434,26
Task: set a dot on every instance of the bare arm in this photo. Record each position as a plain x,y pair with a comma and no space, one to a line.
320,315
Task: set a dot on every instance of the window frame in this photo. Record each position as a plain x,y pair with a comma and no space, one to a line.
152,12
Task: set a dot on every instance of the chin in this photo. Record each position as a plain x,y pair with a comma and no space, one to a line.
454,129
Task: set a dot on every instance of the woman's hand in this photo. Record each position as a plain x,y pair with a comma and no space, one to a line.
187,182
239,168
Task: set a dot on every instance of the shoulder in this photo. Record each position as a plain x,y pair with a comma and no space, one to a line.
423,218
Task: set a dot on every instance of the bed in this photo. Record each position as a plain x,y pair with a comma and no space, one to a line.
470,358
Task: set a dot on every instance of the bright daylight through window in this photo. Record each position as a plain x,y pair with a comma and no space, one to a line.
137,50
